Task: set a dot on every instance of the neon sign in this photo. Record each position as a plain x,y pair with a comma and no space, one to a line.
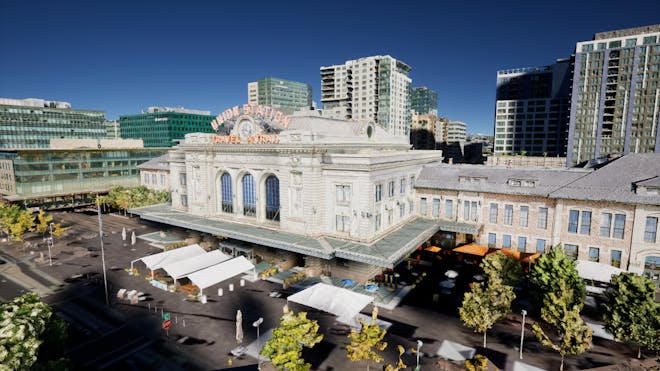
265,114
251,124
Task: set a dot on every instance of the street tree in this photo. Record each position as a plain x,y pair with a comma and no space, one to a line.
568,334
43,220
8,215
503,267
553,267
285,347
484,305
364,342
631,313
22,224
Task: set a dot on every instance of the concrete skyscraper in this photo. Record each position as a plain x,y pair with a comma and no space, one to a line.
533,110
616,94
284,95
373,88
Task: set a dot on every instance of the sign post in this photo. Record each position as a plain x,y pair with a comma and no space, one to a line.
166,326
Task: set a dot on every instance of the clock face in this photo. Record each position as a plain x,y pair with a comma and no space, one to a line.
245,128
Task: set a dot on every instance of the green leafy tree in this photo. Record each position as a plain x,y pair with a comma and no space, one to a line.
8,215
484,305
43,220
503,267
631,313
364,341
569,335
285,347
22,224
30,335
553,267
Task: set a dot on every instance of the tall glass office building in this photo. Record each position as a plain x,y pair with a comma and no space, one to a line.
615,105
424,101
284,95
31,123
164,126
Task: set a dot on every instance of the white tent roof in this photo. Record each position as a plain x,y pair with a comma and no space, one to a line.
519,366
341,302
596,271
455,351
157,261
181,268
215,274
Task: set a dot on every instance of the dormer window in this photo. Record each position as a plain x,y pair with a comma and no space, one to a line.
471,179
529,183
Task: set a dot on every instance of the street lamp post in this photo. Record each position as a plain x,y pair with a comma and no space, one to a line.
522,331
105,280
49,243
419,345
256,324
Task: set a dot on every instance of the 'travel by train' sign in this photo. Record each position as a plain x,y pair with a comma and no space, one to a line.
253,124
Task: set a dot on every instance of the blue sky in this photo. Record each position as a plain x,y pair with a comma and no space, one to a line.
123,56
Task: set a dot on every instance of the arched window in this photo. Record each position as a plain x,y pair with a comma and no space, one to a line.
249,204
227,199
272,198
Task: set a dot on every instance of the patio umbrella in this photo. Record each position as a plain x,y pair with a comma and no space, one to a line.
447,284
451,274
347,282
123,233
133,239
239,326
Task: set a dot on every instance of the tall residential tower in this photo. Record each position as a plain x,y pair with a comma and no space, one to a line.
373,89
284,95
424,101
616,94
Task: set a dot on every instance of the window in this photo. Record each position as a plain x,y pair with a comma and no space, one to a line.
473,211
571,251
402,210
146,178
585,223
402,186
619,225
540,246
436,207
543,218
615,259
412,182
605,224
508,214
594,254
411,207
449,208
524,214
573,221
493,213
379,192
466,210
343,193
391,189
492,239
184,200
650,229
272,198
522,243
506,241
162,179
182,179
377,221
390,217
153,179
249,203
343,223
226,192
422,206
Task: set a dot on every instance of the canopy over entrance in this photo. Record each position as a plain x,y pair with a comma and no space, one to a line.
195,263
472,249
596,271
341,302
157,261
215,274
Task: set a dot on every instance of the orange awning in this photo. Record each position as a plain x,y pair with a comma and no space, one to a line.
530,257
508,252
472,249
432,249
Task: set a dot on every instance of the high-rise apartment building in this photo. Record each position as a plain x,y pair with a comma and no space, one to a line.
112,129
424,101
456,131
31,123
283,95
423,130
372,89
533,110
163,126
615,94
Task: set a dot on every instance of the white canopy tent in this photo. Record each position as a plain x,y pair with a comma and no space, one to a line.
341,302
217,273
182,268
589,270
455,351
157,261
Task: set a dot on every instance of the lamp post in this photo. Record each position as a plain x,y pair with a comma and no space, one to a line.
49,243
419,345
105,280
522,331
256,324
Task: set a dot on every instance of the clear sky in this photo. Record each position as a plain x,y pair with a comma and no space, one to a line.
123,56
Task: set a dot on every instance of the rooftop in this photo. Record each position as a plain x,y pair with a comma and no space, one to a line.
158,163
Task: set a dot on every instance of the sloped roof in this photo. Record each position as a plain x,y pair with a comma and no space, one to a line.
158,163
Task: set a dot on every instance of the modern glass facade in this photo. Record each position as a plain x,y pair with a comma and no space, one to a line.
45,173
33,127
162,129
284,95
424,101
616,99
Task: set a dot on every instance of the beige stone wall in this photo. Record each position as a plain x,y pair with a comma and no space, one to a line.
641,249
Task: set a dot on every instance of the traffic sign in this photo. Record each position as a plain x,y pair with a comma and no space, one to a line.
166,316
166,324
